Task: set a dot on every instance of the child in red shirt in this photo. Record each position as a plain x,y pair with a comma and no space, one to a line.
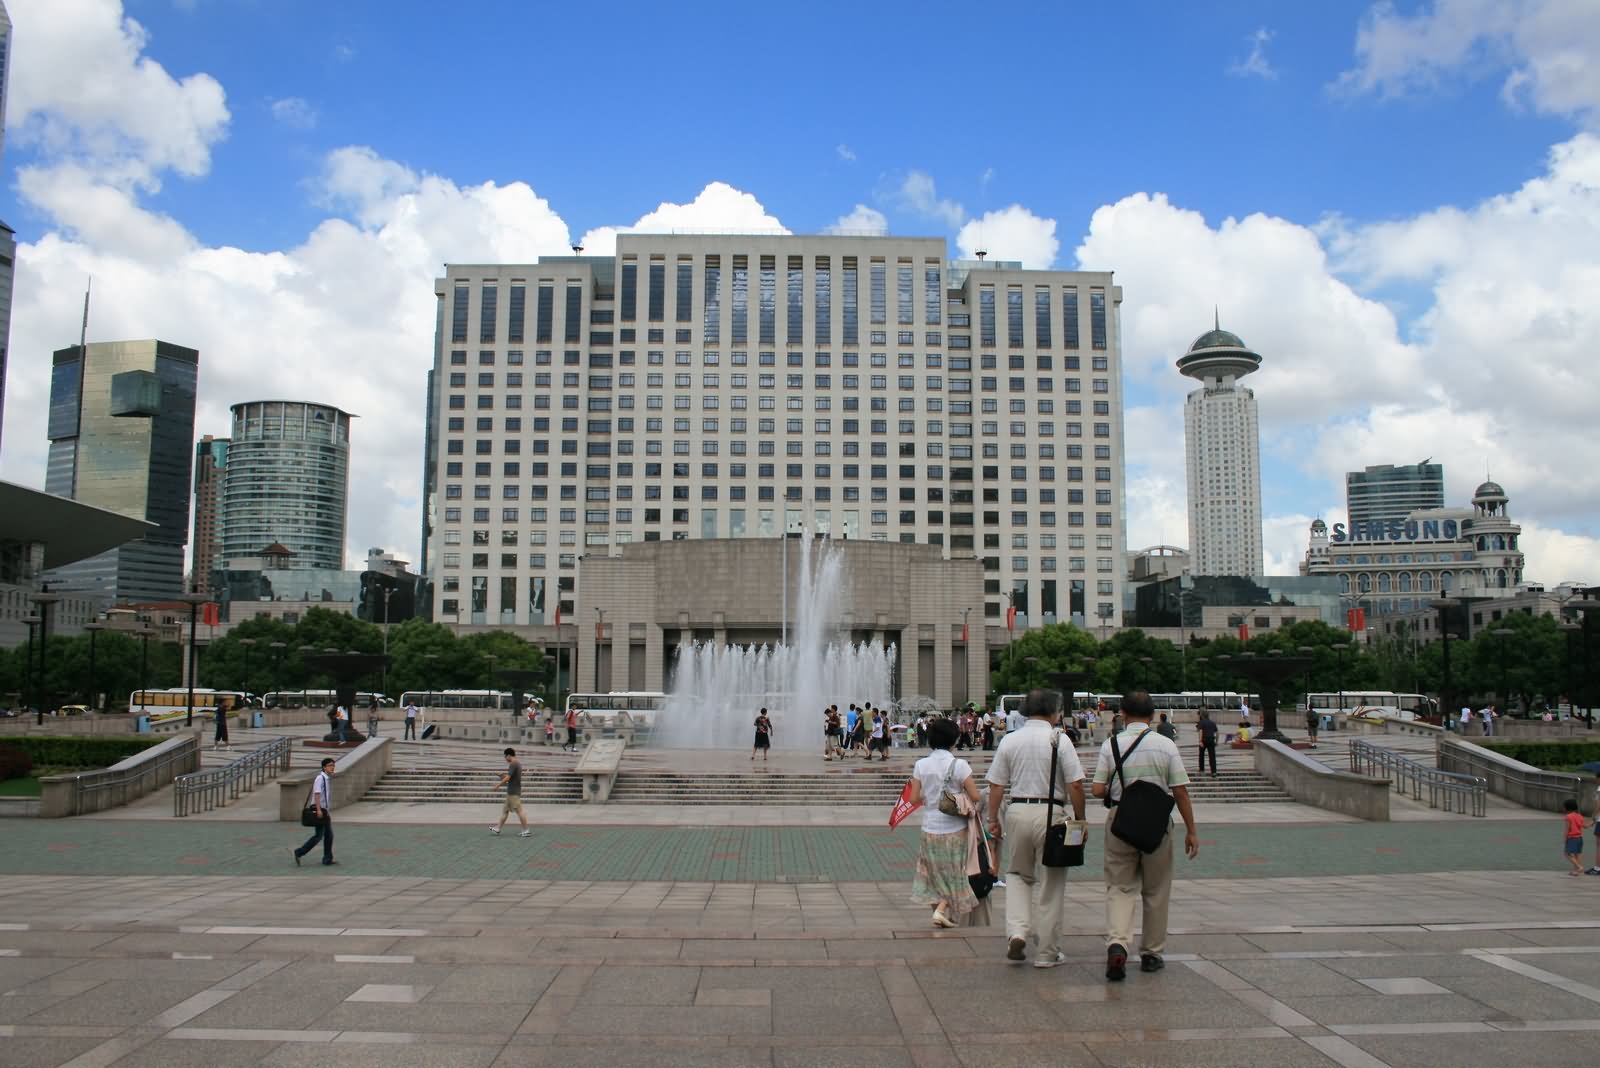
1574,851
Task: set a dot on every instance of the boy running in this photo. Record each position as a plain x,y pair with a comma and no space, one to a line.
1574,822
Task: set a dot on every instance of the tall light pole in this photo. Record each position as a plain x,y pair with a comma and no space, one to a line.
144,633
246,643
44,600
194,601
30,691
1308,651
599,636
383,678
277,665
1503,633
1568,629
1443,606
1144,671
94,630
1339,648
428,660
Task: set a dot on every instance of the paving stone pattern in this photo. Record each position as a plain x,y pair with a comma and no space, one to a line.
737,854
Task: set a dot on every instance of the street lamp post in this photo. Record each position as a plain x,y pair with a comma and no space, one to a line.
383,676
1144,672
244,686
30,694
1339,648
599,636
194,601
44,601
428,660
1447,705
1568,629
144,633
1503,633
1309,652
491,658
277,664
94,630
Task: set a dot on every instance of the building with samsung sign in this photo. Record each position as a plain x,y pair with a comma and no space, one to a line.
1395,565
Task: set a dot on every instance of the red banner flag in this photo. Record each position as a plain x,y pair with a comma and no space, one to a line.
1244,632
902,808
558,613
599,632
1011,618
209,614
963,633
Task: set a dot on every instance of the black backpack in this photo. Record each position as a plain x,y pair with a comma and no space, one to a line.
1144,811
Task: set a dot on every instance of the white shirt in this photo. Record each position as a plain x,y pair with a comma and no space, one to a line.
320,789
930,771
1022,762
1014,721
1466,714
1156,760
1486,712
411,711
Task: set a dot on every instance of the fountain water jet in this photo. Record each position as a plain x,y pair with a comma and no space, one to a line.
717,690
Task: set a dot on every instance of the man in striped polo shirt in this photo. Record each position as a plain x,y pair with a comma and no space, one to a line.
1130,874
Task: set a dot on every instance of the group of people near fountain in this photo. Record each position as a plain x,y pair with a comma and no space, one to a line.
861,729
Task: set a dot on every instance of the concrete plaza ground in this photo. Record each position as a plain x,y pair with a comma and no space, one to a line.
143,940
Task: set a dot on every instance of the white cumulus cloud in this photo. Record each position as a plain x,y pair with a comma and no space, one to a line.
1256,64
719,207
1543,50
1012,233
917,194
860,220
82,90
295,112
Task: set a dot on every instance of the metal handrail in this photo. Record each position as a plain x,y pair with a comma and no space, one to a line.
110,789
202,791
1452,791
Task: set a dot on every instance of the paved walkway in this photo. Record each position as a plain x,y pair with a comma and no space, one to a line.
1344,972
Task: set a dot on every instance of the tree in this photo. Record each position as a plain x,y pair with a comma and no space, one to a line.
1056,647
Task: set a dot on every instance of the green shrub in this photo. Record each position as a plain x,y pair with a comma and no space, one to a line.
14,762
1543,754
67,751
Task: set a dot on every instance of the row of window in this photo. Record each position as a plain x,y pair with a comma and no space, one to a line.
821,288
713,470
568,561
932,361
511,537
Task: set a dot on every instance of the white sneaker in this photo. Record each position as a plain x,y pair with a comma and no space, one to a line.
524,834
1052,960
494,830
1000,884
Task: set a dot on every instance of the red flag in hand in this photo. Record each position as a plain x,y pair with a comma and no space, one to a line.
903,808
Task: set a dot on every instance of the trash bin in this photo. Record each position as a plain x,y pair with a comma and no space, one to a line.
1327,721
258,720
142,725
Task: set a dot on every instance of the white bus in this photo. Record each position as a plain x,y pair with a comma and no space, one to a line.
318,699
640,705
492,699
1374,704
164,706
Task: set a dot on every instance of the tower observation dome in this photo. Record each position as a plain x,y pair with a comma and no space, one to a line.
1217,354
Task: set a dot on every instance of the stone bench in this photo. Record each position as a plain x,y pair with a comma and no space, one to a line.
598,767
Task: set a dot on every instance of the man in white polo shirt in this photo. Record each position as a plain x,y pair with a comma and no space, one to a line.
1023,768
1131,874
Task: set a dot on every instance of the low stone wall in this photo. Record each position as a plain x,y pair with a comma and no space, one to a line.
1513,780
1538,728
127,780
100,724
355,773
1312,782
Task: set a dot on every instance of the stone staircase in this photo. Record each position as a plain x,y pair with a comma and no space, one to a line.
874,786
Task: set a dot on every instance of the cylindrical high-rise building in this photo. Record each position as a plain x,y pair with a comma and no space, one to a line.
287,481
1223,453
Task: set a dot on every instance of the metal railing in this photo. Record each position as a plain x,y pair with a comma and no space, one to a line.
1452,791
202,791
1516,781
96,791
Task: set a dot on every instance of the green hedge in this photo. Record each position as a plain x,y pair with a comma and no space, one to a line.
1549,754
14,762
79,752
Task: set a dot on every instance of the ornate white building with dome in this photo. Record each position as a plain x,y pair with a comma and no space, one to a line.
1398,565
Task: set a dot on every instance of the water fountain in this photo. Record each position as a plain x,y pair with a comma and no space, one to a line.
718,689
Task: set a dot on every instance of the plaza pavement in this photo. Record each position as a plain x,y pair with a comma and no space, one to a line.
143,940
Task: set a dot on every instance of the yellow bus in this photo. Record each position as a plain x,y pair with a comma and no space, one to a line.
163,706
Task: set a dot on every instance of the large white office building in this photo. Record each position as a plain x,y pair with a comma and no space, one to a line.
700,387
1222,453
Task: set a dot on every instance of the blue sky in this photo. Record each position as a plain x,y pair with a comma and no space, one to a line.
1384,201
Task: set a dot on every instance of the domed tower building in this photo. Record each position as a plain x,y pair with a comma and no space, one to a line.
1494,537
1222,447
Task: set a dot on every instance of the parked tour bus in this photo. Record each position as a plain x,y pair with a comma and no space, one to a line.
641,705
318,699
161,706
491,699
1375,704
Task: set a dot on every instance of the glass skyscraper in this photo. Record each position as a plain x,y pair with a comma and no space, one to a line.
1385,491
287,481
121,428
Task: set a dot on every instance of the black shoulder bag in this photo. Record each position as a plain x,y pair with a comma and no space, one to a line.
1055,853
1144,811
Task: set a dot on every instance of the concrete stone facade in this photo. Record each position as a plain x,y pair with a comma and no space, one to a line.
654,595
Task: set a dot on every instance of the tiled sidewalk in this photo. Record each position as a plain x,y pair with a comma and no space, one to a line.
176,971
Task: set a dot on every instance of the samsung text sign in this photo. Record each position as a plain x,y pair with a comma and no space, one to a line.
1396,530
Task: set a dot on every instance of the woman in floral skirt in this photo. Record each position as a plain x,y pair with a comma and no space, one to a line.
942,860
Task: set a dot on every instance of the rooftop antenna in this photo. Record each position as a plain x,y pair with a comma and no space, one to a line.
1216,317
577,250
83,331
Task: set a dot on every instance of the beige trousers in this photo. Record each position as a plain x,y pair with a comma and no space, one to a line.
1033,904
1130,876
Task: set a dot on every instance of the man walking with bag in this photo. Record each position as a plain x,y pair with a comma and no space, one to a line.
318,813
1039,768
1140,774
